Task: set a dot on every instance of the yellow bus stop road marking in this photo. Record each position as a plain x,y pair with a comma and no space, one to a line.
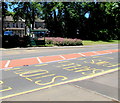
48,75
68,81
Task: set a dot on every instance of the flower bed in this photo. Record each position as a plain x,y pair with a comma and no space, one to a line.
63,41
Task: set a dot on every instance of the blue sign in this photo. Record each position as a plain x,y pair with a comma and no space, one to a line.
8,33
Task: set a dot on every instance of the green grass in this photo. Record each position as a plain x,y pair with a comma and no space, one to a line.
89,42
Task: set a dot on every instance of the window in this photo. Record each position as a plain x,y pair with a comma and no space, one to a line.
36,26
21,25
5,25
16,25
13,25
8,25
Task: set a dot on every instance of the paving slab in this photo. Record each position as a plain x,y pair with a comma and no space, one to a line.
106,85
61,93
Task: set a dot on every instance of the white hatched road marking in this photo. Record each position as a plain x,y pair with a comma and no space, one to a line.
62,57
108,51
39,60
81,54
7,64
95,52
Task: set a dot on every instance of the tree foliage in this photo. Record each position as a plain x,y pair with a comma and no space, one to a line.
26,11
67,19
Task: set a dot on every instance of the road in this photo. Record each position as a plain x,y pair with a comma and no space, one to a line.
28,53
96,72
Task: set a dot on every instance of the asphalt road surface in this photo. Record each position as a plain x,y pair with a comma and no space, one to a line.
81,72
28,53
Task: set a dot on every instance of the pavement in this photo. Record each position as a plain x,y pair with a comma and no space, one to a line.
101,85
31,48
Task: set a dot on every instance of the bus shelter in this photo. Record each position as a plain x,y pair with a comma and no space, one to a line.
38,36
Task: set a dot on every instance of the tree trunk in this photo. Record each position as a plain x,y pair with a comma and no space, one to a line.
33,19
55,23
2,17
25,28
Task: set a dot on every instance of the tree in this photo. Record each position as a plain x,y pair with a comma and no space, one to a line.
67,19
5,13
113,9
35,8
27,11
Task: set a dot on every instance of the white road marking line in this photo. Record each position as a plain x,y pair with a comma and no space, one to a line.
95,52
39,60
62,57
7,64
108,51
81,54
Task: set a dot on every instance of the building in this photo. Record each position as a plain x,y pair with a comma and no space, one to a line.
18,28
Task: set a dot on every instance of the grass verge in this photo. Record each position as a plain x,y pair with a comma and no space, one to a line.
89,42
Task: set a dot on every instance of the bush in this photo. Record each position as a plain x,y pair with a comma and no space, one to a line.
15,41
63,41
